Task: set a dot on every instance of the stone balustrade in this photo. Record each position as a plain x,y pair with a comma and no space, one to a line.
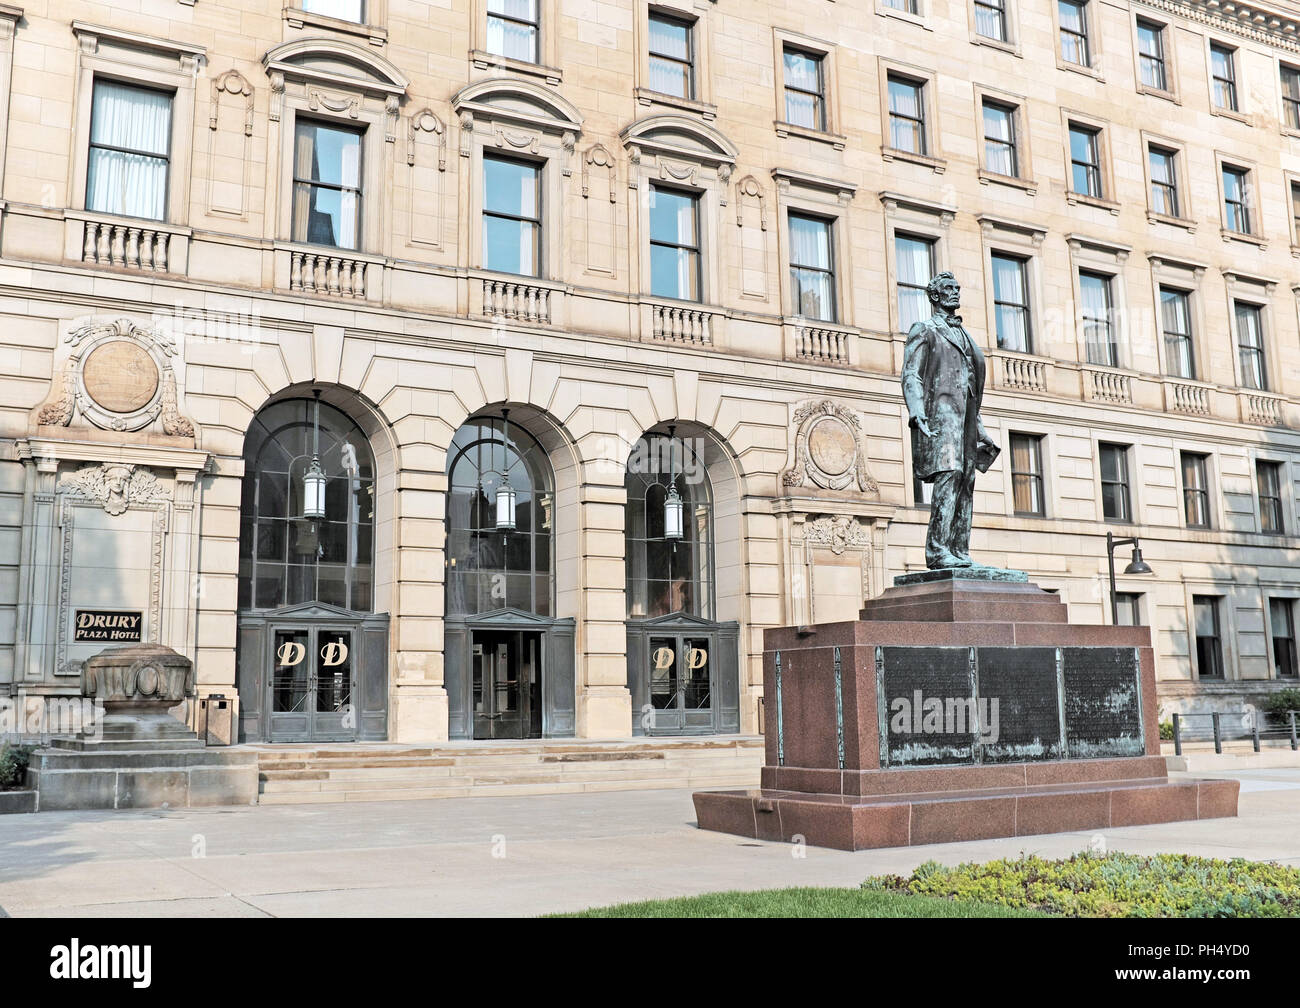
517,300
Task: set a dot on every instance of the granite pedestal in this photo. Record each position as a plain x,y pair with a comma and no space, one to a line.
962,705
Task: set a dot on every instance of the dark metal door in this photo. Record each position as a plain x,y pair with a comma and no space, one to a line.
681,692
312,685
507,679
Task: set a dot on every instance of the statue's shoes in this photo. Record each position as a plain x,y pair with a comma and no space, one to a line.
952,560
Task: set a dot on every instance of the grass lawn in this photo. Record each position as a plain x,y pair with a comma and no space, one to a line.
806,903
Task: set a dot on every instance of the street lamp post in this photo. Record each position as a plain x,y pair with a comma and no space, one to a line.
1136,566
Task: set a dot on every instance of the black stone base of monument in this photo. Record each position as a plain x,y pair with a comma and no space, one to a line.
976,572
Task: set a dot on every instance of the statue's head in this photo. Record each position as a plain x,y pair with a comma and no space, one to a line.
944,290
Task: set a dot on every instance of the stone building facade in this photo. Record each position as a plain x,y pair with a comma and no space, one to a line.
617,258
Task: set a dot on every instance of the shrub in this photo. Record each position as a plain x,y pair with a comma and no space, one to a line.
13,766
1167,730
1115,885
1282,701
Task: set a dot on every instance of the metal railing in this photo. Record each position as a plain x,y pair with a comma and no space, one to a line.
1216,719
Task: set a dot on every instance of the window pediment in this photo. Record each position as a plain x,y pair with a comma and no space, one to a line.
519,102
678,136
333,62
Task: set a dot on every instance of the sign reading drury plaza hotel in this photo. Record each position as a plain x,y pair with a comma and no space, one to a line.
354,330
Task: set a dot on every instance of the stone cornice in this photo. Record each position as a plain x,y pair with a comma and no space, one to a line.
1268,25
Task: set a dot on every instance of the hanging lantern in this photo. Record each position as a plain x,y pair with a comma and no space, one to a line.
505,506
673,514
313,490
313,481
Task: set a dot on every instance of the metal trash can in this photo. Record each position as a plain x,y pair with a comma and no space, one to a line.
216,720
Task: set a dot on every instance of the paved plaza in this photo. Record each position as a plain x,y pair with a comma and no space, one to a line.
497,856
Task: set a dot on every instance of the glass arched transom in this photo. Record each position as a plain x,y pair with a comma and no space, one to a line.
287,559
668,575
490,568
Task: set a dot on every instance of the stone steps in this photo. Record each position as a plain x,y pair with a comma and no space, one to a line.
307,775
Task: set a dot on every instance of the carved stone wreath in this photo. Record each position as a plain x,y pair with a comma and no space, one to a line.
118,377
829,450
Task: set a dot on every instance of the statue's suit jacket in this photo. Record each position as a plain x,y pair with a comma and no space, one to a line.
943,380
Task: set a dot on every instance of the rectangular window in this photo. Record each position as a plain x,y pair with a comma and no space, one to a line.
512,216
991,19
1196,490
1250,345
1223,77
1027,474
915,261
326,185
1236,200
344,10
674,244
1291,97
1116,502
907,6
1151,55
1268,477
1164,180
130,150
1097,312
1295,211
1011,303
512,29
1085,160
1209,645
1073,15
1281,618
812,267
672,69
1128,606
805,92
907,115
1000,139
1176,323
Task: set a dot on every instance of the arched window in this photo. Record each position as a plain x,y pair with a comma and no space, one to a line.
667,575
488,567
285,558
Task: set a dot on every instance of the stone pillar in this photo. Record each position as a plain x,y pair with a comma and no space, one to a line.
604,702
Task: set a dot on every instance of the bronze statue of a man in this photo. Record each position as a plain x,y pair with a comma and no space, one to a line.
943,386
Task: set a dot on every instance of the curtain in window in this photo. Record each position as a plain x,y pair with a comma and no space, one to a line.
1026,476
1250,347
670,59
810,246
915,266
130,132
999,145
1099,341
803,89
905,115
506,35
1011,301
673,236
1178,329
346,10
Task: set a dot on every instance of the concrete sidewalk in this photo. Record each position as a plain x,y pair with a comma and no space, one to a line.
497,856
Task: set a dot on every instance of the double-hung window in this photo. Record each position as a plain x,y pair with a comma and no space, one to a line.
1073,16
915,264
805,88
1097,313
1027,474
1116,499
991,19
1250,344
1281,618
672,56
1164,180
1268,479
327,185
512,215
812,267
1085,160
907,115
344,10
1176,324
1196,489
512,29
1151,55
1236,200
674,244
1223,77
1291,97
1000,139
130,150
1011,303
1209,636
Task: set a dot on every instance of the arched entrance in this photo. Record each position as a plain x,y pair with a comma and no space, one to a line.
508,659
313,654
682,662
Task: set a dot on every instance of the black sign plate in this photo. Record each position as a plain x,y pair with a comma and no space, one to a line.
926,707
108,626
1019,704
1103,710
